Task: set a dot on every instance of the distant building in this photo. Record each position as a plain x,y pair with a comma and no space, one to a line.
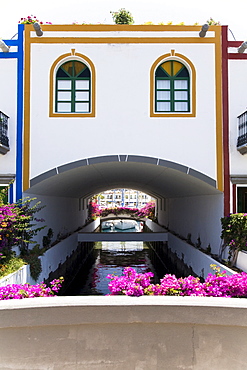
123,198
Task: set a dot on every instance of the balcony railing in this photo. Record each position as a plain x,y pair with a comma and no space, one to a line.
4,140
242,133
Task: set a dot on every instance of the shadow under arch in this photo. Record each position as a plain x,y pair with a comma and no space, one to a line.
154,176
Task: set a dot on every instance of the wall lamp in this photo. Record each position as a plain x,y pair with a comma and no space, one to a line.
204,30
242,47
37,29
4,47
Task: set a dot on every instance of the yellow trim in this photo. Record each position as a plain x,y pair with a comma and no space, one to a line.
192,113
141,28
93,85
118,27
219,112
121,40
26,131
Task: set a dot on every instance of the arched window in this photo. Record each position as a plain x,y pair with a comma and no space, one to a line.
73,88
172,87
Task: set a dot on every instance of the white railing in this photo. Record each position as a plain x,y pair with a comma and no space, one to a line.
20,276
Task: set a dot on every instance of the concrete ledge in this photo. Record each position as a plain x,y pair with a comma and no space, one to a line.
122,309
120,333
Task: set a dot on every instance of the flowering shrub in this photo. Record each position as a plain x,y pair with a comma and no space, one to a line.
17,228
16,291
215,285
93,210
31,19
234,234
146,211
17,224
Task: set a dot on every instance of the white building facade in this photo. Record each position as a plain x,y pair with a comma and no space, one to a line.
120,106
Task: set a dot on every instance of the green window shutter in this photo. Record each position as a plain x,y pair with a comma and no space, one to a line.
172,87
73,88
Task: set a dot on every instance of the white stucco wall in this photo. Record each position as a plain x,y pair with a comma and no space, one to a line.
63,215
197,260
237,106
199,216
122,123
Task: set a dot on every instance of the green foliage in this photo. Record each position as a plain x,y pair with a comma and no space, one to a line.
18,224
18,227
33,260
123,16
234,234
10,264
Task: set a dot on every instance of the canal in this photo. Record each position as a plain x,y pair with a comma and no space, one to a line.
111,258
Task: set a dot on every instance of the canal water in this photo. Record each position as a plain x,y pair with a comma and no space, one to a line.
111,258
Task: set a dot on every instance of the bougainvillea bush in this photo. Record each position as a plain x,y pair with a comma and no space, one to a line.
18,227
18,224
147,211
17,291
215,285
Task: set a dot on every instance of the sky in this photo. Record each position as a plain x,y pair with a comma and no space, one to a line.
231,13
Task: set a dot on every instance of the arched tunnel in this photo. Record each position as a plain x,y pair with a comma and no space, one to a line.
188,202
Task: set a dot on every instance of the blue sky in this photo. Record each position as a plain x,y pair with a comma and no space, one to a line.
231,13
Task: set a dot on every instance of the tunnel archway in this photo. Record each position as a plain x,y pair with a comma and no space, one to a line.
188,201
151,175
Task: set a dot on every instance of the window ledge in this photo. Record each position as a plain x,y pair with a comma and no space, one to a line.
173,114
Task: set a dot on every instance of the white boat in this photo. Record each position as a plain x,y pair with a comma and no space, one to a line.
106,225
125,224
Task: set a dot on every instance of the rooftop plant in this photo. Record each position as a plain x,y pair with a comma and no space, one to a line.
31,19
212,22
123,16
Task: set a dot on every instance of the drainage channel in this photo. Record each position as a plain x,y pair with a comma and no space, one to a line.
111,257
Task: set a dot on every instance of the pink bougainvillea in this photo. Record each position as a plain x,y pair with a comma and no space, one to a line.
18,291
215,285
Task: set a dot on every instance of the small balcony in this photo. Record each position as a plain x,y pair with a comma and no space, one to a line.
4,140
242,133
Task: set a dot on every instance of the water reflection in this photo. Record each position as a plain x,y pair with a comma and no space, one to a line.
112,258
